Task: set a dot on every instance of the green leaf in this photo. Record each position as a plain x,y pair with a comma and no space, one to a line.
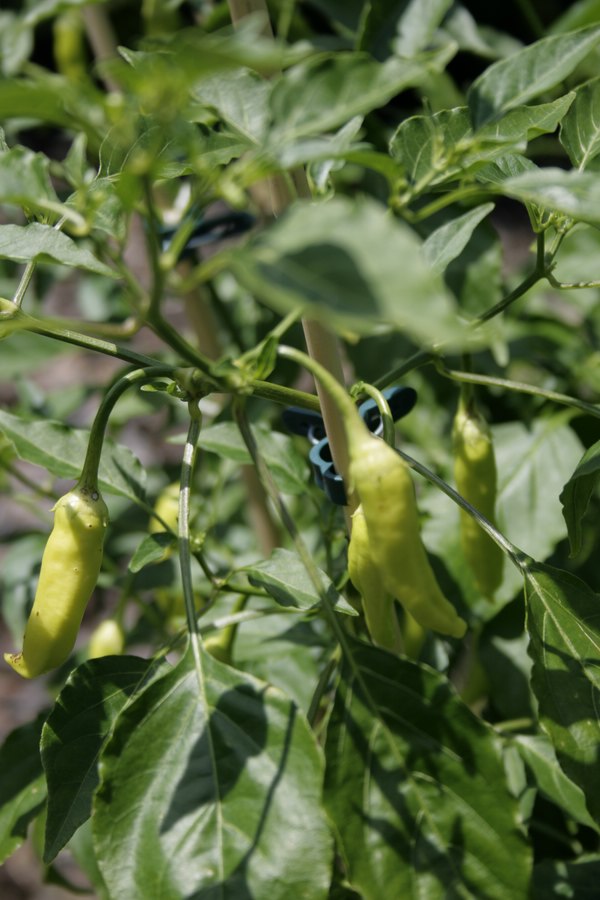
52,98
564,631
152,549
527,122
580,129
226,798
286,651
25,352
449,240
46,9
61,450
559,878
416,787
528,73
418,24
285,578
16,43
426,145
533,464
406,28
25,179
538,754
25,243
82,849
437,148
75,732
350,263
22,784
289,468
321,94
474,37
576,194
240,98
507,166
576,494
576,15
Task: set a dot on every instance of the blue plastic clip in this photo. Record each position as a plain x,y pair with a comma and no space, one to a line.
310,424
208,230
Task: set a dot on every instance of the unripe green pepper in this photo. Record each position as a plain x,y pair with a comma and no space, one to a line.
68,575
476,480
166,510
69,45
385,489
377,603
106,640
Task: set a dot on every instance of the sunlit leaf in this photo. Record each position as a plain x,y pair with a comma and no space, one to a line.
528,73
226,798
563,621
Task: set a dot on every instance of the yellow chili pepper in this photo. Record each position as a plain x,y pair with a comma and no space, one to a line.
166,510
68,575
385,489
378,604
476,480
106,640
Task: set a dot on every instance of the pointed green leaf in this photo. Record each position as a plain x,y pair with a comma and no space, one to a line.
425,145
507,166
240,98
24,177
350,263
416,787
75,731
225,795
61,450
323,93
576,194
288,467
449,240
436,148
539,755
405,27
576,494
580,129
563,622
152,549
22,784
533,464
417,25
528,73
284,577
25,243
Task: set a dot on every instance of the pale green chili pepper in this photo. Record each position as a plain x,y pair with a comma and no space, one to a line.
70,568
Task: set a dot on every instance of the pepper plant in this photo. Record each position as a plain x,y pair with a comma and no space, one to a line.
204,205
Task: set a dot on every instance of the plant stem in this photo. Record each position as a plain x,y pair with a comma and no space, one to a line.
89,472
521,289
418,359
28,482
322,684
278,393
520,387
382,405
48,328
517,557
343,402
187,471
24,283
